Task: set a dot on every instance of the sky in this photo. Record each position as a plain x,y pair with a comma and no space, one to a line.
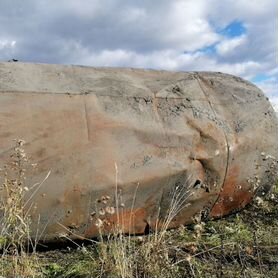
233,36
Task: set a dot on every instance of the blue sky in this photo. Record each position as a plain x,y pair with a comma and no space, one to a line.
232,36
233,29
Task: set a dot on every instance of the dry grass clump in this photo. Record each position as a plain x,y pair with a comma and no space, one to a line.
126,256
14,226
15,240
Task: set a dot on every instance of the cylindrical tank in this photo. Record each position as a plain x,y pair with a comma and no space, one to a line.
136,142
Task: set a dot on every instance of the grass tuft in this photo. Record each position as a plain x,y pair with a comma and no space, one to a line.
15,240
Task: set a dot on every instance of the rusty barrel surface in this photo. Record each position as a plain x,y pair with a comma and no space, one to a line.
130,138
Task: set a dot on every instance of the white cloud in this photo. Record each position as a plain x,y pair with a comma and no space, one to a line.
4,43
168,60
269,85
274,71
228,46
185,26
255,11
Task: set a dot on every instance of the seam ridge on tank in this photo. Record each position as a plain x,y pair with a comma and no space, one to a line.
86,118
102,95
158,117
96,94
199,80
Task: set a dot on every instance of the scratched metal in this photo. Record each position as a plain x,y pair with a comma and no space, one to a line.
199,133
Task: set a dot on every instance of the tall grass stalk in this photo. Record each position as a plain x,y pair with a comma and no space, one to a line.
18,257
125,255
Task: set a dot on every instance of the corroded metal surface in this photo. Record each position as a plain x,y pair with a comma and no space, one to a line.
204,133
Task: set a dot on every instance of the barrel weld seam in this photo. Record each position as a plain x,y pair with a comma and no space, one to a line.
86,118
155,109
199,79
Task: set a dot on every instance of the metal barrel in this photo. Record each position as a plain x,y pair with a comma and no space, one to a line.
132,146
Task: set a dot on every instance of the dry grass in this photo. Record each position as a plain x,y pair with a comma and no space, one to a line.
15,240
126,256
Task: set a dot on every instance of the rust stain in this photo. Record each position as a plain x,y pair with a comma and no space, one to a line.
234,195
127,220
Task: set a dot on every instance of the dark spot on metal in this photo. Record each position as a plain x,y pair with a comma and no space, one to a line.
197,183
147,229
